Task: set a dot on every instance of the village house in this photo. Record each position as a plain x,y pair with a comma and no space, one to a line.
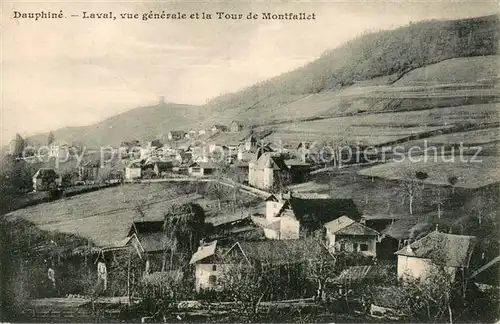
289,217
162,168
202,132
208,266
59,150
192,134
133,170
265,170
245,154
235,126
299,170
218,128
345,234
150,235
46,179
200,169
176,135
435,250
89,171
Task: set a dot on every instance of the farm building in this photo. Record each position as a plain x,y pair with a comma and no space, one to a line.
208,266
88,171
133,171
235,126
289,217
200,169
453,252
265,170
151,238
218,128
345,234
46,179
176,135
162,168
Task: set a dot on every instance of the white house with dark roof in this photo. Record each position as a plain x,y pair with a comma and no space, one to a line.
345,234
208,267
46,179
290,217
452,252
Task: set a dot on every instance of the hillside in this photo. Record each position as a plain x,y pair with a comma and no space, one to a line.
386,55
143,123
430,64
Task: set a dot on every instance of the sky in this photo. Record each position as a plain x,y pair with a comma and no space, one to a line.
76,71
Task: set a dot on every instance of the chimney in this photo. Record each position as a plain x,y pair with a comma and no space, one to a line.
161,100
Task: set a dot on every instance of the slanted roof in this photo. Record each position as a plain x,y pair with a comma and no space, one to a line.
177,133
46,173
296,163
283,251
272,197
357,229
204,165
164,166
370,272
150,235
448,249
204,252
152,242
337,224
219,126
314,213
267,160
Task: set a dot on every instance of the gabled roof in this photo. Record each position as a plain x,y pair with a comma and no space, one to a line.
358,273
177,133
164,166
448,249
314,213
337,224
346,226
152,242
46,173
219,126
357,229
204,165
278,252
267,160
204,252
150,235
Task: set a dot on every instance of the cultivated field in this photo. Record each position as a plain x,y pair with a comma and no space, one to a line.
105,216
469,175
475,137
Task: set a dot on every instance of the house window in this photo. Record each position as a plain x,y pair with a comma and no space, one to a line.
355,247
363,247
214,268
212,279
197,170
342,247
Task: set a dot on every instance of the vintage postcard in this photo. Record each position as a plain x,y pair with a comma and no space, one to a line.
250,161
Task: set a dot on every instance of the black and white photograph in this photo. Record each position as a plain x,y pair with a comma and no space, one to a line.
250,161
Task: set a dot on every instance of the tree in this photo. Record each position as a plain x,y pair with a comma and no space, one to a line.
452,180
246,285
184,226
410,188
50,138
